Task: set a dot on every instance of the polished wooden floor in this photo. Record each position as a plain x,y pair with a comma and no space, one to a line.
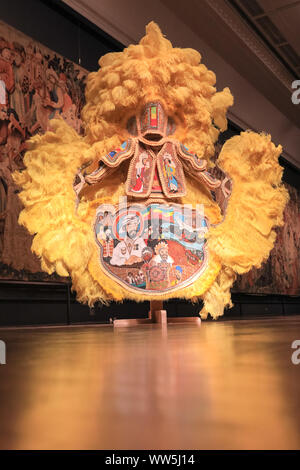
223,385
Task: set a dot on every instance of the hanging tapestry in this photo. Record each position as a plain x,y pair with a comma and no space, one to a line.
36,85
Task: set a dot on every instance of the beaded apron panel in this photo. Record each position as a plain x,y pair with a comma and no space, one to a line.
151,248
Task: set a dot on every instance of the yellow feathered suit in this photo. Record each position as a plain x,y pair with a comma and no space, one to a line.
236,240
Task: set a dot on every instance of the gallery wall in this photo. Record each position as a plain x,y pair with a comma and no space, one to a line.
58,27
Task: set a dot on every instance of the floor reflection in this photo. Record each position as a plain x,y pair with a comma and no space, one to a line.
225,385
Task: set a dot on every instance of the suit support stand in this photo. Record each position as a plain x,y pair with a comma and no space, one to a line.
156,315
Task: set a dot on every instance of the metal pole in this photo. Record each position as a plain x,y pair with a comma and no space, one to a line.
68,304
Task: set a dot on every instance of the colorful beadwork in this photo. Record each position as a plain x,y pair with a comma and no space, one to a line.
157,166
115,157
155,248
153,120
196,162
170,171
141,173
